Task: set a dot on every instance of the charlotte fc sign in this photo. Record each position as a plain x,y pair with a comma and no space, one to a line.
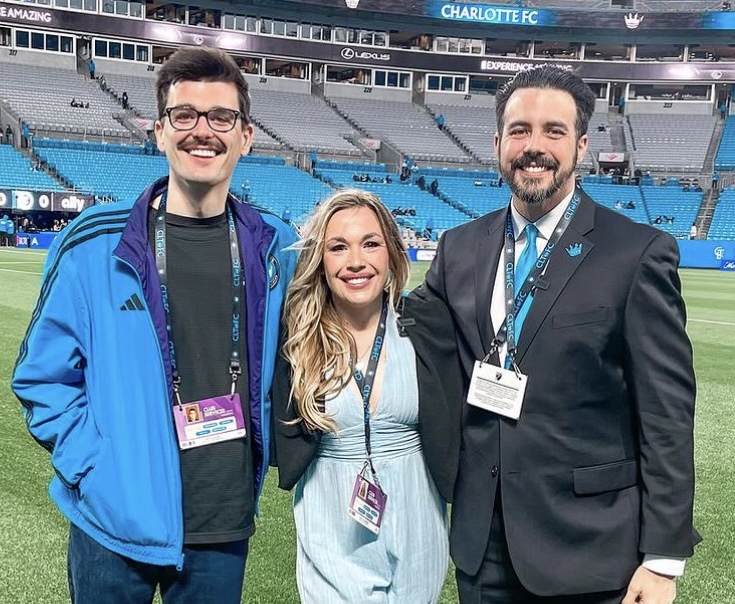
483,13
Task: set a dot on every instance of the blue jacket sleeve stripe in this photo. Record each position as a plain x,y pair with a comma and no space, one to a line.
52,267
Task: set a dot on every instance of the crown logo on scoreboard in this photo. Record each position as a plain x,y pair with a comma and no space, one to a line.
633,21
352,3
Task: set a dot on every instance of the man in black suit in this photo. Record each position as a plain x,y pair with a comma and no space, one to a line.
587,497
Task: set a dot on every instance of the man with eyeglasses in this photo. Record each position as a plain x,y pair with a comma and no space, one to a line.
146,310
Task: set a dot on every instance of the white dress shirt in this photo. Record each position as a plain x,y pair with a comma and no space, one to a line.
546,225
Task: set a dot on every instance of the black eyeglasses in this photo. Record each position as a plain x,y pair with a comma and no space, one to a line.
219,119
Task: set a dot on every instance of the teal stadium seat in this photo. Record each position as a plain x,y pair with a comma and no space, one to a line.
124,175
723,220
725,158
18,172
401,195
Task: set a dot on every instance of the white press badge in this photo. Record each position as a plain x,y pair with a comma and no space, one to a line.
496,389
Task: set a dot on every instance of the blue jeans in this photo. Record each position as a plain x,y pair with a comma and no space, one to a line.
212,574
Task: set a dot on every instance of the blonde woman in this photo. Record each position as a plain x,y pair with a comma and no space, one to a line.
366,419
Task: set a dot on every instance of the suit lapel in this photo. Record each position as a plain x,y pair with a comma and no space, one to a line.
488,249
563,263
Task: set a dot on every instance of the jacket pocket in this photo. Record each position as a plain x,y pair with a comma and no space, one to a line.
606,477
579,318
87,484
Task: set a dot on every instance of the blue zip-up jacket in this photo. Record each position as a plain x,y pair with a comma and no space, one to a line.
94,375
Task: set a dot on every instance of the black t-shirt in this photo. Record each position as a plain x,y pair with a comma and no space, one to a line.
217,479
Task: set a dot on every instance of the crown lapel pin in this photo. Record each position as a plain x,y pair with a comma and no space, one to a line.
574,249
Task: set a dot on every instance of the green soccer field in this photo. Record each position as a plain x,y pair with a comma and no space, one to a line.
33,534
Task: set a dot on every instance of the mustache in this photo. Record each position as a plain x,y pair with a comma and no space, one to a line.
193,143
536,159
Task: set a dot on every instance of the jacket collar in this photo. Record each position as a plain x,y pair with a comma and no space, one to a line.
133,246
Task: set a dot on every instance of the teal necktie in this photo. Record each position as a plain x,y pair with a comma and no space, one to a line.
524,265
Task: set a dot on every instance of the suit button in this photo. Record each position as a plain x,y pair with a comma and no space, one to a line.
494,471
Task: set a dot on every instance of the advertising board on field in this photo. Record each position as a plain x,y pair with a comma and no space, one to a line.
23,200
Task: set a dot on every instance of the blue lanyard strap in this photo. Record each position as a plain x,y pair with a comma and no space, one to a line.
237,278
514,305
365,383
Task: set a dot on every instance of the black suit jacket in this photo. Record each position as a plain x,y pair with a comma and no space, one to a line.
441,389
598,470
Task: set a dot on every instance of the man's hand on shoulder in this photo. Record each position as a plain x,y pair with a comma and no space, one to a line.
647,587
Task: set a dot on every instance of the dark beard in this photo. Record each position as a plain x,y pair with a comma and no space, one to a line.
536,195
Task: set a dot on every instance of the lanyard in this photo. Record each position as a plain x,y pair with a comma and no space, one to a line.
160,251
365,383
514,305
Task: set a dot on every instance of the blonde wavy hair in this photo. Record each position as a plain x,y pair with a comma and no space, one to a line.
318,347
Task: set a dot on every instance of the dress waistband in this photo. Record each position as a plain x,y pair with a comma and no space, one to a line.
388,440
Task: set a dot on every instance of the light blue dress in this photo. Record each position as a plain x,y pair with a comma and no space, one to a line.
338,560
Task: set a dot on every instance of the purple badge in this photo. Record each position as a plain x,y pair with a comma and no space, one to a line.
367,504
208,421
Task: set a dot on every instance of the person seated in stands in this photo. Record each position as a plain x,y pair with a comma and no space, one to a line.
618,205
411,211
434,187
602,128
479,183
500,181
86,105
73,102
421,182
658,220
593,170
124,99
670,219
663,180
103,83
630,205
356,177
387,180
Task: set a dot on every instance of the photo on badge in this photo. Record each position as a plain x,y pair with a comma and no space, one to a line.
192,414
